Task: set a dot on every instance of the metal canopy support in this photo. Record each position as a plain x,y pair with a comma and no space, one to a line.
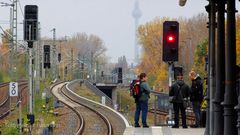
220,69
230,97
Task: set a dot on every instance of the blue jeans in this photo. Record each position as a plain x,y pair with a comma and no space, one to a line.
196,109
141,106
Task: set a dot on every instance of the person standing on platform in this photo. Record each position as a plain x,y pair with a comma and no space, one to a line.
196,96
180,93
238,79
142,103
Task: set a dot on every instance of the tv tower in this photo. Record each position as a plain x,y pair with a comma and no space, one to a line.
136,15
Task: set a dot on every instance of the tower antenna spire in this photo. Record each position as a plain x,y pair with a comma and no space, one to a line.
136,14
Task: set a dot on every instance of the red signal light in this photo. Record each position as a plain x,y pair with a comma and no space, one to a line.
170,39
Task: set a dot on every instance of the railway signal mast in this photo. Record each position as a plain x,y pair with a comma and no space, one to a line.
170,48
30,35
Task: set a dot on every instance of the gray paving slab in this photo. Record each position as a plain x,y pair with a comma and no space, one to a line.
189,131
163,131
166,131
143,131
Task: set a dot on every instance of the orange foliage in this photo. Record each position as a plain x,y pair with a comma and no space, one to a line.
150,36
4,53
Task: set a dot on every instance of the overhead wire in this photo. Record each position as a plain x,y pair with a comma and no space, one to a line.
21,45
20,7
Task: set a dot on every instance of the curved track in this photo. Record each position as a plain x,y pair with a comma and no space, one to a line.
5,99
119,123
90,121
3,93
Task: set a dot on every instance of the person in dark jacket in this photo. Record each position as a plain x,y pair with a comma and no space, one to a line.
196,97
238,94
142,104
180,91
238,81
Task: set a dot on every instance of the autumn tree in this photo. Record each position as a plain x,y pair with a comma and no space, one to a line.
5,54
88,46
193,31
150,38
18,69
200,54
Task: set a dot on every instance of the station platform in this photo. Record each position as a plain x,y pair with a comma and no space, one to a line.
163,131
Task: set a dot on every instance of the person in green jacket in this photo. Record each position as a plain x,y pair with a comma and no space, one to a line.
142,104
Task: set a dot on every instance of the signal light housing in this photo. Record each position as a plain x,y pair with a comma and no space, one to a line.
47,62
170,41
30,23
120,75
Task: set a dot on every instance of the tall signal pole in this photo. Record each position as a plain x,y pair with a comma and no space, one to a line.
30,80
38,65
14,37
14,24
11,44
72,63
54,58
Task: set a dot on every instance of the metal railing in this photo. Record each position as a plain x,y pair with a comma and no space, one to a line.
162,104
163,101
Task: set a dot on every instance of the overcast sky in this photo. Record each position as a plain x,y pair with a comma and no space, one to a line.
111,20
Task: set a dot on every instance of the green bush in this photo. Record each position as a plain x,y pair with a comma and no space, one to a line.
11,129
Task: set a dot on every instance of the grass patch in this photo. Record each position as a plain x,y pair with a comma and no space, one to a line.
87,93
43,112
11,129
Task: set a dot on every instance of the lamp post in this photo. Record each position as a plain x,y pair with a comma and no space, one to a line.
230,96
220,69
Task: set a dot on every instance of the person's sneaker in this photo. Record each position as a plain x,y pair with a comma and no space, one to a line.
137,125
175,126
145,126
184,127
195,126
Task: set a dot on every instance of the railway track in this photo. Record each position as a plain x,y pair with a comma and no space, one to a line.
4,93
119,123
5,108
56,91
90,121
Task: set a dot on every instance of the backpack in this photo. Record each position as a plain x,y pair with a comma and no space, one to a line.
135,89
